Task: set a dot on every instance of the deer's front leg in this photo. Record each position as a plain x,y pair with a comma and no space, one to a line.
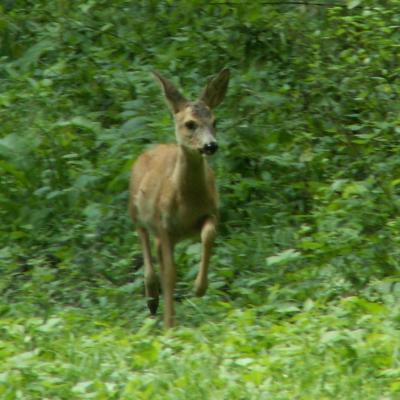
150,277
208,233
168,278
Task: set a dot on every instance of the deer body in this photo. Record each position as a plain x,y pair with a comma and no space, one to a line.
173,194
185,196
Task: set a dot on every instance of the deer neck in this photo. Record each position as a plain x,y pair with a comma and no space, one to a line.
190,170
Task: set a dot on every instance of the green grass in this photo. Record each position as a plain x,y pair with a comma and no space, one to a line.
346,350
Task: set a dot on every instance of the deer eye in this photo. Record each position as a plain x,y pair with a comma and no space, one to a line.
191,125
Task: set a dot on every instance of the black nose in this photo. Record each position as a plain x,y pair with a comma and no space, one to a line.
210,148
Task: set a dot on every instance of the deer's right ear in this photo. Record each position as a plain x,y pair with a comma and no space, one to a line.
175,99
216,89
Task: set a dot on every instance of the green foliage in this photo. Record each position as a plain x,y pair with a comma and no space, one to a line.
344,351
304,277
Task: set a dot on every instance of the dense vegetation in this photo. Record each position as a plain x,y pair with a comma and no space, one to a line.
304,285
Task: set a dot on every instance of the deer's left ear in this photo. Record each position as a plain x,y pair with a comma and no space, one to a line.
175,99
216,89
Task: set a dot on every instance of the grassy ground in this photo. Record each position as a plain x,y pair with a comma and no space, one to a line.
345,350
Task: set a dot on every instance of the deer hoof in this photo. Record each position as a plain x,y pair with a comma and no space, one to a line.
200,289
152,304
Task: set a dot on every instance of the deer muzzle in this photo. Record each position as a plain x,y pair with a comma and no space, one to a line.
210,148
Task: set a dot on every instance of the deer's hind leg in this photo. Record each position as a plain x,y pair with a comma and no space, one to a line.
150,277
168,277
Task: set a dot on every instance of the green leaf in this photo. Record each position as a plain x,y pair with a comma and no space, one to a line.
285,257
353,4
33,54
50,325
134,124
82,387
80,122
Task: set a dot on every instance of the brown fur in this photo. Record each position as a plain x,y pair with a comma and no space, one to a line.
173,194
181,200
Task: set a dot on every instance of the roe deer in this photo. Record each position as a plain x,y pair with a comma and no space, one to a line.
172,191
